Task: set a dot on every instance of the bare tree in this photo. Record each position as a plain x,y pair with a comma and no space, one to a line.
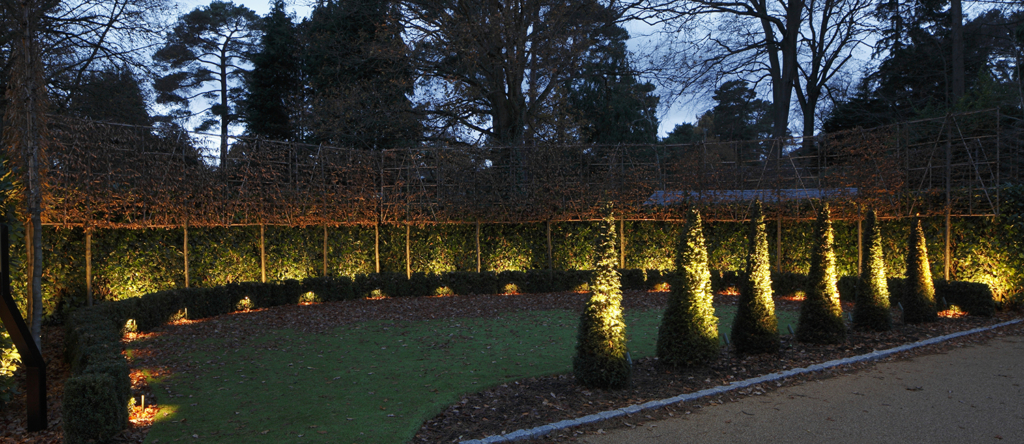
834,29
793,45
748,38
492,66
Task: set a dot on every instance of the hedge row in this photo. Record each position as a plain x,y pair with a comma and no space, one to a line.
131,263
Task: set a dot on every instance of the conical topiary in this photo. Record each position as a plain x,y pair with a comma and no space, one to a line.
821,315
689,330
755,329
600,360
919,291
871,309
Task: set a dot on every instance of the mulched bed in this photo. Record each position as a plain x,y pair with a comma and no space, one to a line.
522,404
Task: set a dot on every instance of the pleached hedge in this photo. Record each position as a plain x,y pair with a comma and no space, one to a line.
131,263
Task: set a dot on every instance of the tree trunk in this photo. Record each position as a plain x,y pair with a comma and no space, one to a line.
24,137
957,18
224,116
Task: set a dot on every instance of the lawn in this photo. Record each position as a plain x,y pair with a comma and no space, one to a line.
366,382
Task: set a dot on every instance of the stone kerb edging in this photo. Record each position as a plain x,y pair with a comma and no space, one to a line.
541,431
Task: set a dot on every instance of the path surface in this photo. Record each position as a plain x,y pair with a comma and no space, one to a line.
973,394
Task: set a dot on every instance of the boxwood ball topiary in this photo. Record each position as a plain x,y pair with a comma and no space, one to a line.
919,291
755,329
821,315
871,308
600,360
689,330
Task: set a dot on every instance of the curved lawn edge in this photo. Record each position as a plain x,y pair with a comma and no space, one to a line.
538,432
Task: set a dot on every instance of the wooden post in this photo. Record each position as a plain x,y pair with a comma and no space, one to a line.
88,266
325,250
478,261
945,257
551,258
622,243
185,251
860,243
778,244
263,256
949,184
376,245
408,257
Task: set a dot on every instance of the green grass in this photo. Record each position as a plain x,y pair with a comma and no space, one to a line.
370,382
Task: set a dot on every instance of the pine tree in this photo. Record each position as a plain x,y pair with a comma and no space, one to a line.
689,330
274,85
600,359
821,315
919,293
756,329
872,306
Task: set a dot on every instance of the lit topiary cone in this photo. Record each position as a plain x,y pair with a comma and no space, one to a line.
919,291
689,330
600,360
755,329
821,315
872,309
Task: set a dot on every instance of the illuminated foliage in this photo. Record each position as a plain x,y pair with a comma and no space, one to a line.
689,330
872,305
600,359
755,329
919,293
821,316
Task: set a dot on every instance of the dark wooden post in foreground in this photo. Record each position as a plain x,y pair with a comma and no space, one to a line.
35,375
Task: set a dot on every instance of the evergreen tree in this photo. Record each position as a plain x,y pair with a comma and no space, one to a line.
689,330
203,58
274,85
600,359
755,329
739,114
614,107
821,315
872,305
919,291
361,76
112,95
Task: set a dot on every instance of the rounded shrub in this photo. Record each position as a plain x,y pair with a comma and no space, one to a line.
755,329
688,335
821,315
600,360
871,308
919,291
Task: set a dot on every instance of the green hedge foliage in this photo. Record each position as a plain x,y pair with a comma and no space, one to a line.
129,263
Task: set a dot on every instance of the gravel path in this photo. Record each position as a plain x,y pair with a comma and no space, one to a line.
969,394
